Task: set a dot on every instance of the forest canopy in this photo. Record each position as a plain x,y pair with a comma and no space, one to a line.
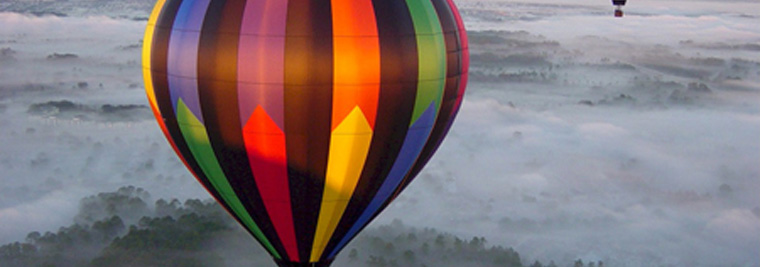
122,228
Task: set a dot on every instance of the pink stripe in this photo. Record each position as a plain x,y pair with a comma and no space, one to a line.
261,59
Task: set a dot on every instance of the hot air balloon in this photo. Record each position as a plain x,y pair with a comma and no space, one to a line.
618,7
304,119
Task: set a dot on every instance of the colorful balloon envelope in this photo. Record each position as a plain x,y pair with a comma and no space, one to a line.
305,118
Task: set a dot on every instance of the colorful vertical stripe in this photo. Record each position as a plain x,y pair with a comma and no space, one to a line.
456,79
260,99
356,80
305,118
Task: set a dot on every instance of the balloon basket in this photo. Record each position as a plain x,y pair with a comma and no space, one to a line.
618,12
281,263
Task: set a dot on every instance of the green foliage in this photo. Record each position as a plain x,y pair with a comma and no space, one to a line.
409,256
127,202
109,228
186,233
353,254
100,233
411,247
18,254
120,229
70,246
167,241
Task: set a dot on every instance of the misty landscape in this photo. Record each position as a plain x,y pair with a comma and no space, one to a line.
583,139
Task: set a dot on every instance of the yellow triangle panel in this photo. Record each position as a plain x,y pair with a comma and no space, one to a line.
349,144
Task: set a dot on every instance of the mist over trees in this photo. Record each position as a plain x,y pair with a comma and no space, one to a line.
122,228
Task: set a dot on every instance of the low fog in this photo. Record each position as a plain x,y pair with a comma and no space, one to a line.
631,141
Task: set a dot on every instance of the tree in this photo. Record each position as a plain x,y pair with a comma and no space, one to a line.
109,228
440,241
165,241
411,237
377,261
353,254
409,256
389,248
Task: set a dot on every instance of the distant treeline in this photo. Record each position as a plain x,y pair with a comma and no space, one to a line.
120,229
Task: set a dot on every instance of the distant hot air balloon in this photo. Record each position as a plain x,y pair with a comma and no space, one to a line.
305,118
618,7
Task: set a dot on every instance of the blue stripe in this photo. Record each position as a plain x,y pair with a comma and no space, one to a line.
183,54
413,143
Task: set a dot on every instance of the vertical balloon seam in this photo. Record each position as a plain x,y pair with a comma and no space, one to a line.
340,166
464,63
147,44
182,57
200,146
260,93
398,86
462,32
431,47
184,49
157,57
431,50
217,71
270,174
431,89
355,88
148,77
432,56
308,100
449,25
176,36
463,66
413,142
151,92
157,66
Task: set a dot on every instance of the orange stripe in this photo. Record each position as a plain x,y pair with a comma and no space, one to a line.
357,60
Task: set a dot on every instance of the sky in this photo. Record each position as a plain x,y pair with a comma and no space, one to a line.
610,155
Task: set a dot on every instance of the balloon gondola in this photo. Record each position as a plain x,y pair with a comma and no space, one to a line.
304,119
618,7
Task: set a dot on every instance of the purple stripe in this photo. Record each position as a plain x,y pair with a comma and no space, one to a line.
183,55
261,59
413,143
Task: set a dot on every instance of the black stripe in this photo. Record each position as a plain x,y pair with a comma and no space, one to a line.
308,111
443,120
217,91
281,263
159,65
398,90
451,89
166,19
